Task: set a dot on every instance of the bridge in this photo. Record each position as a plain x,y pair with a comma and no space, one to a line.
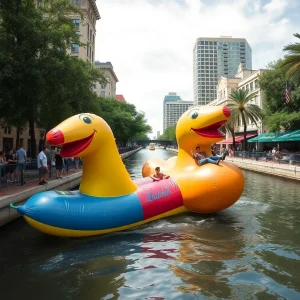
147,142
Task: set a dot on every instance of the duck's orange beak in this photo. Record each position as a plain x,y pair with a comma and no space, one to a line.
55,137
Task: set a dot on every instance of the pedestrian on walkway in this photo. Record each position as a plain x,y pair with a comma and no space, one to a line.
42,166
21,161
59,164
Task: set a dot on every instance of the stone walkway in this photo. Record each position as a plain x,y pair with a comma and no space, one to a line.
15,189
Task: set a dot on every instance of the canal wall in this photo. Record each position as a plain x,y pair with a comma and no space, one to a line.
68,182
271,168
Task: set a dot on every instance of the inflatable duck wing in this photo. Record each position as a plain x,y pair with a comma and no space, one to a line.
108,199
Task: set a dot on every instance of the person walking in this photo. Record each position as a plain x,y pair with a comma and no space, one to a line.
42,166
59,164
21,161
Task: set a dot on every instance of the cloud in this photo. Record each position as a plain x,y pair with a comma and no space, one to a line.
150,42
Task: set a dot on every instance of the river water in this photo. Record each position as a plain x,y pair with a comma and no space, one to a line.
249,251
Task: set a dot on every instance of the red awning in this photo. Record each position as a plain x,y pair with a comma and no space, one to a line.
238,139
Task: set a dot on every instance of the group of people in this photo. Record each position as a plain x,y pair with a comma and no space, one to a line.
200,157
45,161
12,164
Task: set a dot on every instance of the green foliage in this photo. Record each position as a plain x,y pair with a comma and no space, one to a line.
278,114
288,121
126,123
292,59
169,134
241,109
40,82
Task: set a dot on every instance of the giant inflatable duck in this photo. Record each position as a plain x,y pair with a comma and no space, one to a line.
209,188
109,200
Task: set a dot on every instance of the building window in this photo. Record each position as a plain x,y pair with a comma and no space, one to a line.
102,94
251,86
76,22
75,48
76,3
103,85
7,130
256,84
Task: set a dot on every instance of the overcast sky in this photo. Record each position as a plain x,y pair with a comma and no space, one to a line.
150,42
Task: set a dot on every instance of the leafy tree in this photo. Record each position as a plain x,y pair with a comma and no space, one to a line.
125,121
73,80
242,109
287,121
278,114
169,134
292,60
39,81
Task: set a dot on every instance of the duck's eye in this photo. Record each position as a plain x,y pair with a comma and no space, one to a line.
85,119
194,115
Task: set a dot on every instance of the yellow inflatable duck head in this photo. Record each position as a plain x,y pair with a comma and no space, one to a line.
200,126
89,137
80,135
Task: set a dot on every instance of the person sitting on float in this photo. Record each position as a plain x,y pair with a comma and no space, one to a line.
201,158
158,175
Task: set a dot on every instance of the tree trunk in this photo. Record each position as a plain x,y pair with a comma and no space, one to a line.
233,139
32,138
18,137
245,135
245,132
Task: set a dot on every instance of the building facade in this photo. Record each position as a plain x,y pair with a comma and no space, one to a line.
247,80
86,29
8,137
173,108
108,89
216,57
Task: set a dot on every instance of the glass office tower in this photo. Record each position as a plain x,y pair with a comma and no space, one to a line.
216,57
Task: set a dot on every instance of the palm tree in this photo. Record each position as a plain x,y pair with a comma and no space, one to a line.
229,127
292,60
241,109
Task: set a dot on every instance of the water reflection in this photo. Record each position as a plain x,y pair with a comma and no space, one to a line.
250,251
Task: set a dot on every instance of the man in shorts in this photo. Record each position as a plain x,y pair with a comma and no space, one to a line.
42,166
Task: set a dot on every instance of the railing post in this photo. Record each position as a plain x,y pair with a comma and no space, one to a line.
22,177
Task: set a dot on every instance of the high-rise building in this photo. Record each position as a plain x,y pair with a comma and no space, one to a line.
216,57
174,107
86,29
